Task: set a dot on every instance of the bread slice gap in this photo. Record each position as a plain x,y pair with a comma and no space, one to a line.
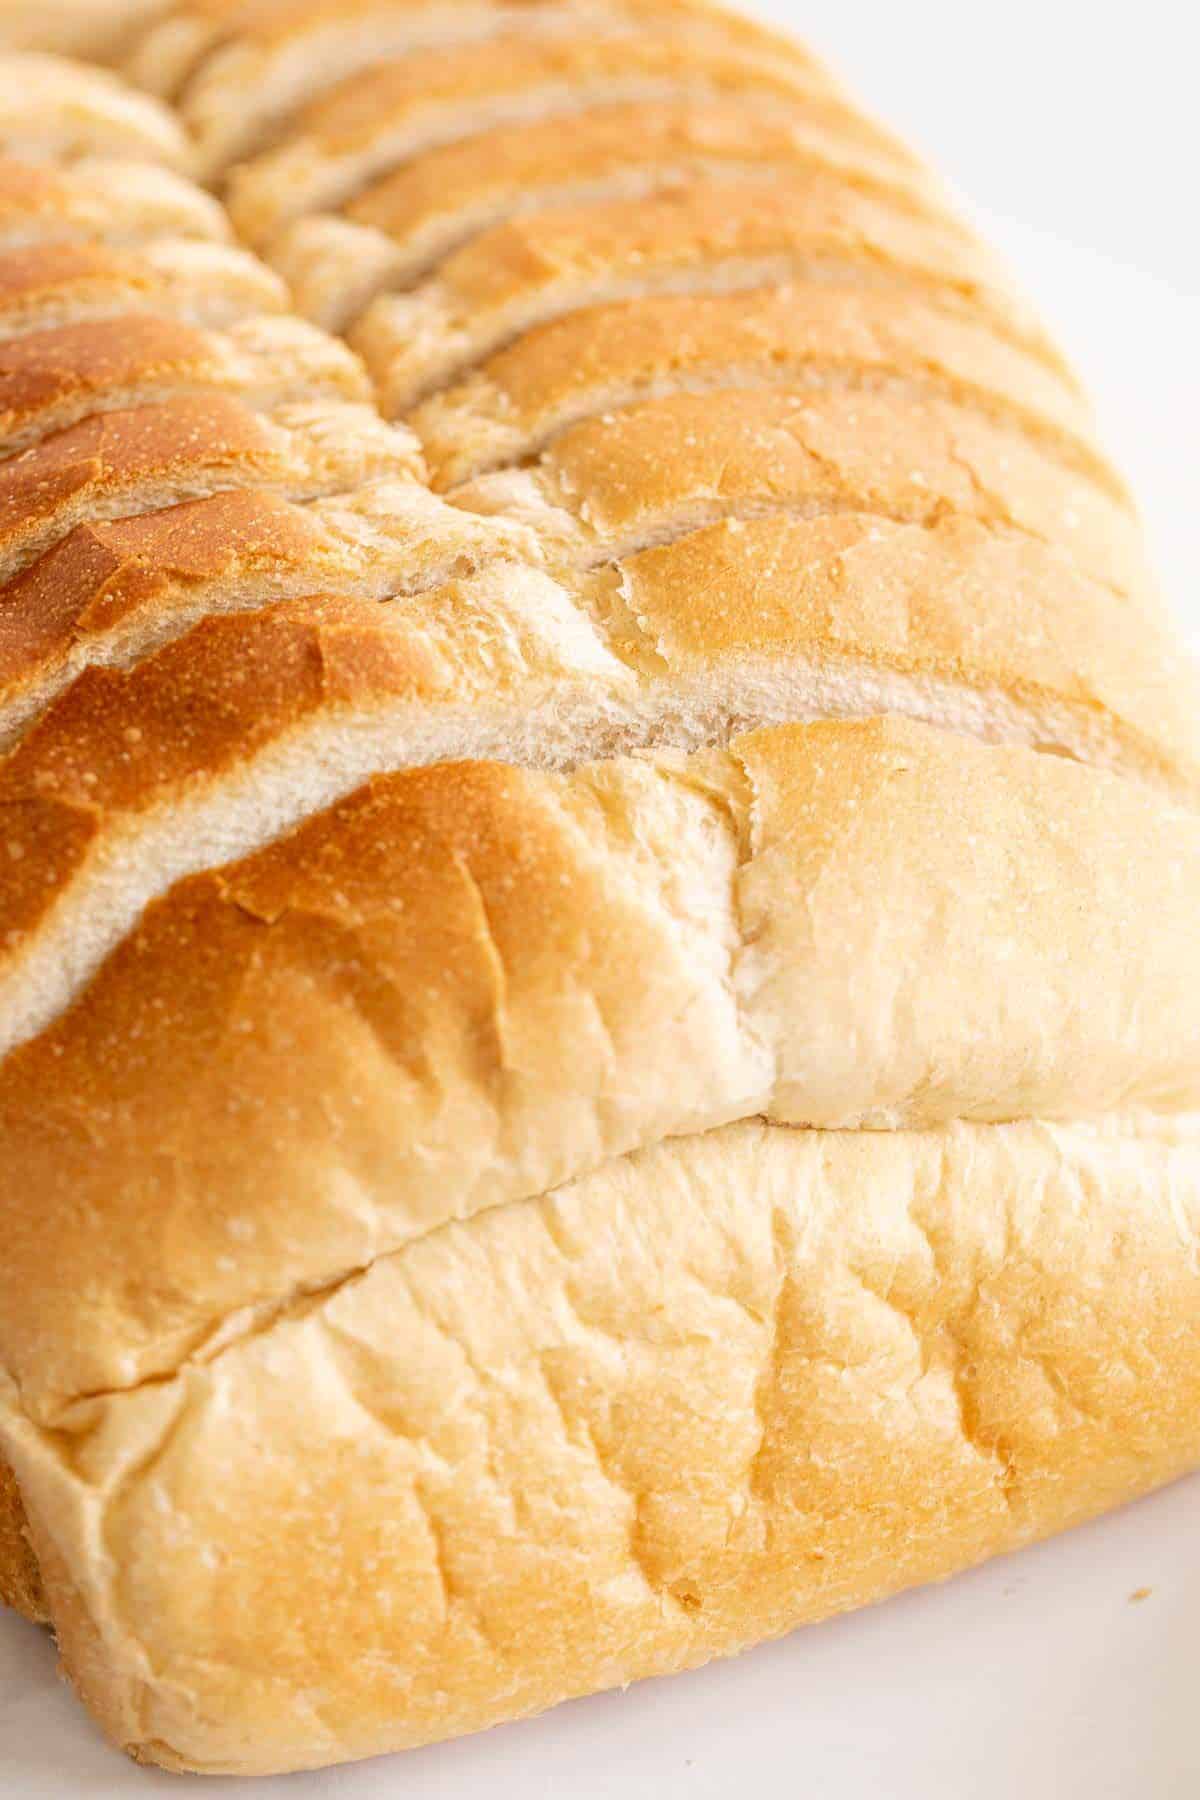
627,480
398,230
698,239
103,200
50,380
53,110
112,593
390,114
610,358
123,463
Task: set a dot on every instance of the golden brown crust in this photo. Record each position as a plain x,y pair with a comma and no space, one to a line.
239,75
99,29
497,171
200,706
125,462
651,472
115,452
984,612
52,379
110,593
369,104
391,112
607,357
47,285
273,22
101,573
130,781
991,617
71,278
700,238
496,168
33,198
401,227
250,87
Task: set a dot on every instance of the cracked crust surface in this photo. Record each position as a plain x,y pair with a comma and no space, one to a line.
640,476
606,358
639,1422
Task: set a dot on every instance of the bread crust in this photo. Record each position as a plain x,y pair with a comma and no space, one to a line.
45,286
390,113
400,228
113,465
240,74
640,1422
50,380
697,238
648,473
53,110
93,28
109,200
609,358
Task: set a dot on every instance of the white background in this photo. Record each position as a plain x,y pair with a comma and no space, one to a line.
1072,129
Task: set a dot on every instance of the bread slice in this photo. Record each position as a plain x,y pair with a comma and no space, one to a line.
54,110
638,1422
53,379
631,479
94,28
111,593
607,358
694,239
393,112
397,230
43,286
103,200
117,464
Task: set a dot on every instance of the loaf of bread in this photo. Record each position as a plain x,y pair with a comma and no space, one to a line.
599,874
